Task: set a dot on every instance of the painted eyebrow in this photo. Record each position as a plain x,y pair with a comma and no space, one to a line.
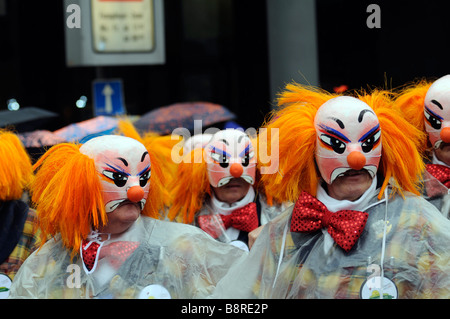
434,114
369,133
361,115
240,138
143,156
333,131
123,161
117,169
224,141
437,103
144,170
218,150
338,121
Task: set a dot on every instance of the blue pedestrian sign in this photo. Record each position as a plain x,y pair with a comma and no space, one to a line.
108,97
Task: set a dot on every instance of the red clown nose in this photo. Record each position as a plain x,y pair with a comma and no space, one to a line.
445,134
236,170
135,193
356,160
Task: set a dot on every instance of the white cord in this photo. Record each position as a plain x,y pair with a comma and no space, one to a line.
383,245
281,254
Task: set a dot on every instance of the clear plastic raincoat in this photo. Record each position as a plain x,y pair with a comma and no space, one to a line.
436,193
153,259
402,253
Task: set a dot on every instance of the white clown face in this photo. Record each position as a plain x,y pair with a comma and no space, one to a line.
348,137
437,112
123,166
229,154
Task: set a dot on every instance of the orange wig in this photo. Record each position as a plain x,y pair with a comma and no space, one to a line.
297,143
401,159
16,169
68,194
410,101
190,187
63,206
294,120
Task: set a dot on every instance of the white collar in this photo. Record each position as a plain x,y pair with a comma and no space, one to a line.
360,204
333,205
225,208
435,160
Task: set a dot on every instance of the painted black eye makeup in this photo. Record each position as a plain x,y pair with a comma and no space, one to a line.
370,139
144,177
220,156
368,144
334,139
336,144
433,119
120,179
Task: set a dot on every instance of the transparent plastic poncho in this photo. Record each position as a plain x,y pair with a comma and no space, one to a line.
403,252
168,260
436,193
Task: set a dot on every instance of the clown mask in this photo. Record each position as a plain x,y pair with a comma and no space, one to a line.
123,166
229,154
437,112
348,138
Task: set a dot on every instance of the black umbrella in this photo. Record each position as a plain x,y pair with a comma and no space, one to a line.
26,119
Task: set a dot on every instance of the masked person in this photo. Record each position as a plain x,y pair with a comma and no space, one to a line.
358,228
216,189
427,106
101,202
19,235
161,146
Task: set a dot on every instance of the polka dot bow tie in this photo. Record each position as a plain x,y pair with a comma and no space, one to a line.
441,172
244,218
117,252
344,226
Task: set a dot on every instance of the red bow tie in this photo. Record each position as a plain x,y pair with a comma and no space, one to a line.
89,254
440,172
244,218
117,252
344,226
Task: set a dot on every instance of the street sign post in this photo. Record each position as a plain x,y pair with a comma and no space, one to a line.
108,97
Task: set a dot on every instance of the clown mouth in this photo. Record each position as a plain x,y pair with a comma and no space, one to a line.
444,145
112,205
227,181
349,172
353,172
234,183
440,144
